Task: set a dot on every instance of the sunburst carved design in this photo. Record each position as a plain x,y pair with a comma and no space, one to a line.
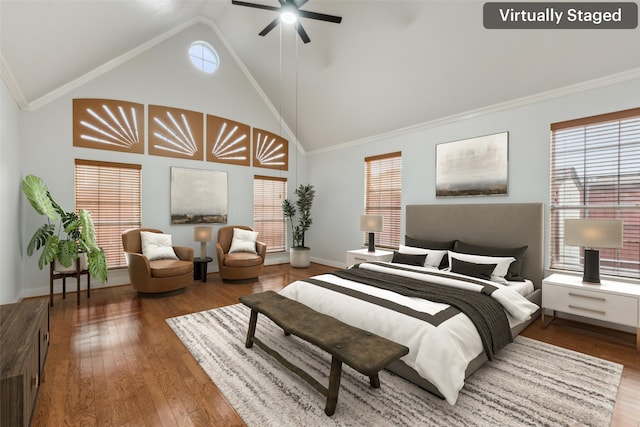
175,133
228,141
270,150
108,125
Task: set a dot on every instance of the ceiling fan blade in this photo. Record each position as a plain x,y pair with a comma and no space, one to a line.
320,16
303,34
299,3
269,27
257,6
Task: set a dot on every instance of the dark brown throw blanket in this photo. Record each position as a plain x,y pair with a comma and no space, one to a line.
487,314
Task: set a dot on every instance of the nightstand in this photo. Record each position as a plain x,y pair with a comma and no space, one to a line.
363,255
610,301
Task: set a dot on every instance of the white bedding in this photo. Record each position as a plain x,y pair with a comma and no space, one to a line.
438,354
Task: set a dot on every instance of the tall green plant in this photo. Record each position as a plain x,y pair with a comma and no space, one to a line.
301,209
79,233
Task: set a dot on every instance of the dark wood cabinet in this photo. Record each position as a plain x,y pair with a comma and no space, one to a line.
24,343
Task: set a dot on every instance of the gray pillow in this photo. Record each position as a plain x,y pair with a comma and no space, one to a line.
481,271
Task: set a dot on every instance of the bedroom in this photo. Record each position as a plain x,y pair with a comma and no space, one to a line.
33,140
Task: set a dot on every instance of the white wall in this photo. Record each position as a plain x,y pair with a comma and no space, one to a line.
164,76
11,249
339,174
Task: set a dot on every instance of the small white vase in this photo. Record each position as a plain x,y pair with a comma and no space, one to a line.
84,264
300,257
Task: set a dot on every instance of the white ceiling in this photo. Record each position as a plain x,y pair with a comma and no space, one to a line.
388,65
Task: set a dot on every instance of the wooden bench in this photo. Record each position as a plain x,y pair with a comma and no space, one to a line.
365,352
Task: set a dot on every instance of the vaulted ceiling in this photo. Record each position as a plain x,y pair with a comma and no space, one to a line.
389,65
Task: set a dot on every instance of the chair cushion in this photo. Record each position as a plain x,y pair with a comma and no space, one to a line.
243,241
242,259
157,246
170,267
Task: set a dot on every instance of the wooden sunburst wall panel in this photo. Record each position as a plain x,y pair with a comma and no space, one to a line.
175,133
270,150
228,141
108,124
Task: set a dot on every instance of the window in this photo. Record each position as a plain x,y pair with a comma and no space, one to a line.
383,195
111,192
595,173
268,220
204,57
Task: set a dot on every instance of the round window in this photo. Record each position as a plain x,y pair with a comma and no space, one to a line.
204,57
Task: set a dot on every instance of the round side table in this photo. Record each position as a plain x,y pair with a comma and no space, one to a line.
200,268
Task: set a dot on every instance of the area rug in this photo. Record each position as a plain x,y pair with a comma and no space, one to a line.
529,383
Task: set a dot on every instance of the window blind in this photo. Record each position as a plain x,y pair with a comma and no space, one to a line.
383,196
595,173
111,192
268,220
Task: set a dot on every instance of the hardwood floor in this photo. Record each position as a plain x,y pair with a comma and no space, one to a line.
113,361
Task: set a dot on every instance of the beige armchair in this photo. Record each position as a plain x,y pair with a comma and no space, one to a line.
238,265
163,275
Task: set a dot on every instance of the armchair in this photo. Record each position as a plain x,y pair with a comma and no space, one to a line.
238,265
157,276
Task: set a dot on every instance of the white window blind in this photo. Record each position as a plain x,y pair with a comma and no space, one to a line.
383,195
595,173
111,192
268,220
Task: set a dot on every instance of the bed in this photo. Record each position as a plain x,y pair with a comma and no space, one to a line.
435,311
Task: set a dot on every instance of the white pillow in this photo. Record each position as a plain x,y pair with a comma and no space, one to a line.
157,246
433,259
502,263
243,241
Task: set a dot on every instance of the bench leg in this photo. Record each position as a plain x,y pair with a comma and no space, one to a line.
252,329
334,386
374,380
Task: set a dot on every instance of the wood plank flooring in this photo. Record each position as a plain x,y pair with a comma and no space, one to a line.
113,361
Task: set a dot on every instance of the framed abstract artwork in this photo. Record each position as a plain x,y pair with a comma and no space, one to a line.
473,167
198,196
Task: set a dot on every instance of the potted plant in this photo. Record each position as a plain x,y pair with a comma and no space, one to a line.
299,254
66,236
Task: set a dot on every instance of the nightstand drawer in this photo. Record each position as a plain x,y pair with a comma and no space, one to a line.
362,255
593,304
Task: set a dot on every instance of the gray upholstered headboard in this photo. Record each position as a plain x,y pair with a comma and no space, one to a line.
497,224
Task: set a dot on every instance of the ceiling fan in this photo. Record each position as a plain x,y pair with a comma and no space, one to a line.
289,12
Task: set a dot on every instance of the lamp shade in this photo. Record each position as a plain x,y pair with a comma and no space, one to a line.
593,233
371,223
203,233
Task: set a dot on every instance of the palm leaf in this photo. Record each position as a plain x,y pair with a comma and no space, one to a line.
40,238
67,252
36,191
87,229
98,264
49,252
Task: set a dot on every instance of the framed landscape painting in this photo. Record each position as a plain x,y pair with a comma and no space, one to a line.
473,167
198,196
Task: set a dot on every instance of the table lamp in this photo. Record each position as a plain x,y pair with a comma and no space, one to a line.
371,224
593,233
202,234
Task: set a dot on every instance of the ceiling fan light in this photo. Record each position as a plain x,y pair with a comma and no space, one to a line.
288,17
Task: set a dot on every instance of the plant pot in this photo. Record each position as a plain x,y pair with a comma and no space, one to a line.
300,257
84,263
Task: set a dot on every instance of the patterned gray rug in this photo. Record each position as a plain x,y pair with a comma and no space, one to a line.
529,384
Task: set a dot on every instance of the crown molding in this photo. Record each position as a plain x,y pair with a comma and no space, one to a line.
114,63
495,108
108,66
11,82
